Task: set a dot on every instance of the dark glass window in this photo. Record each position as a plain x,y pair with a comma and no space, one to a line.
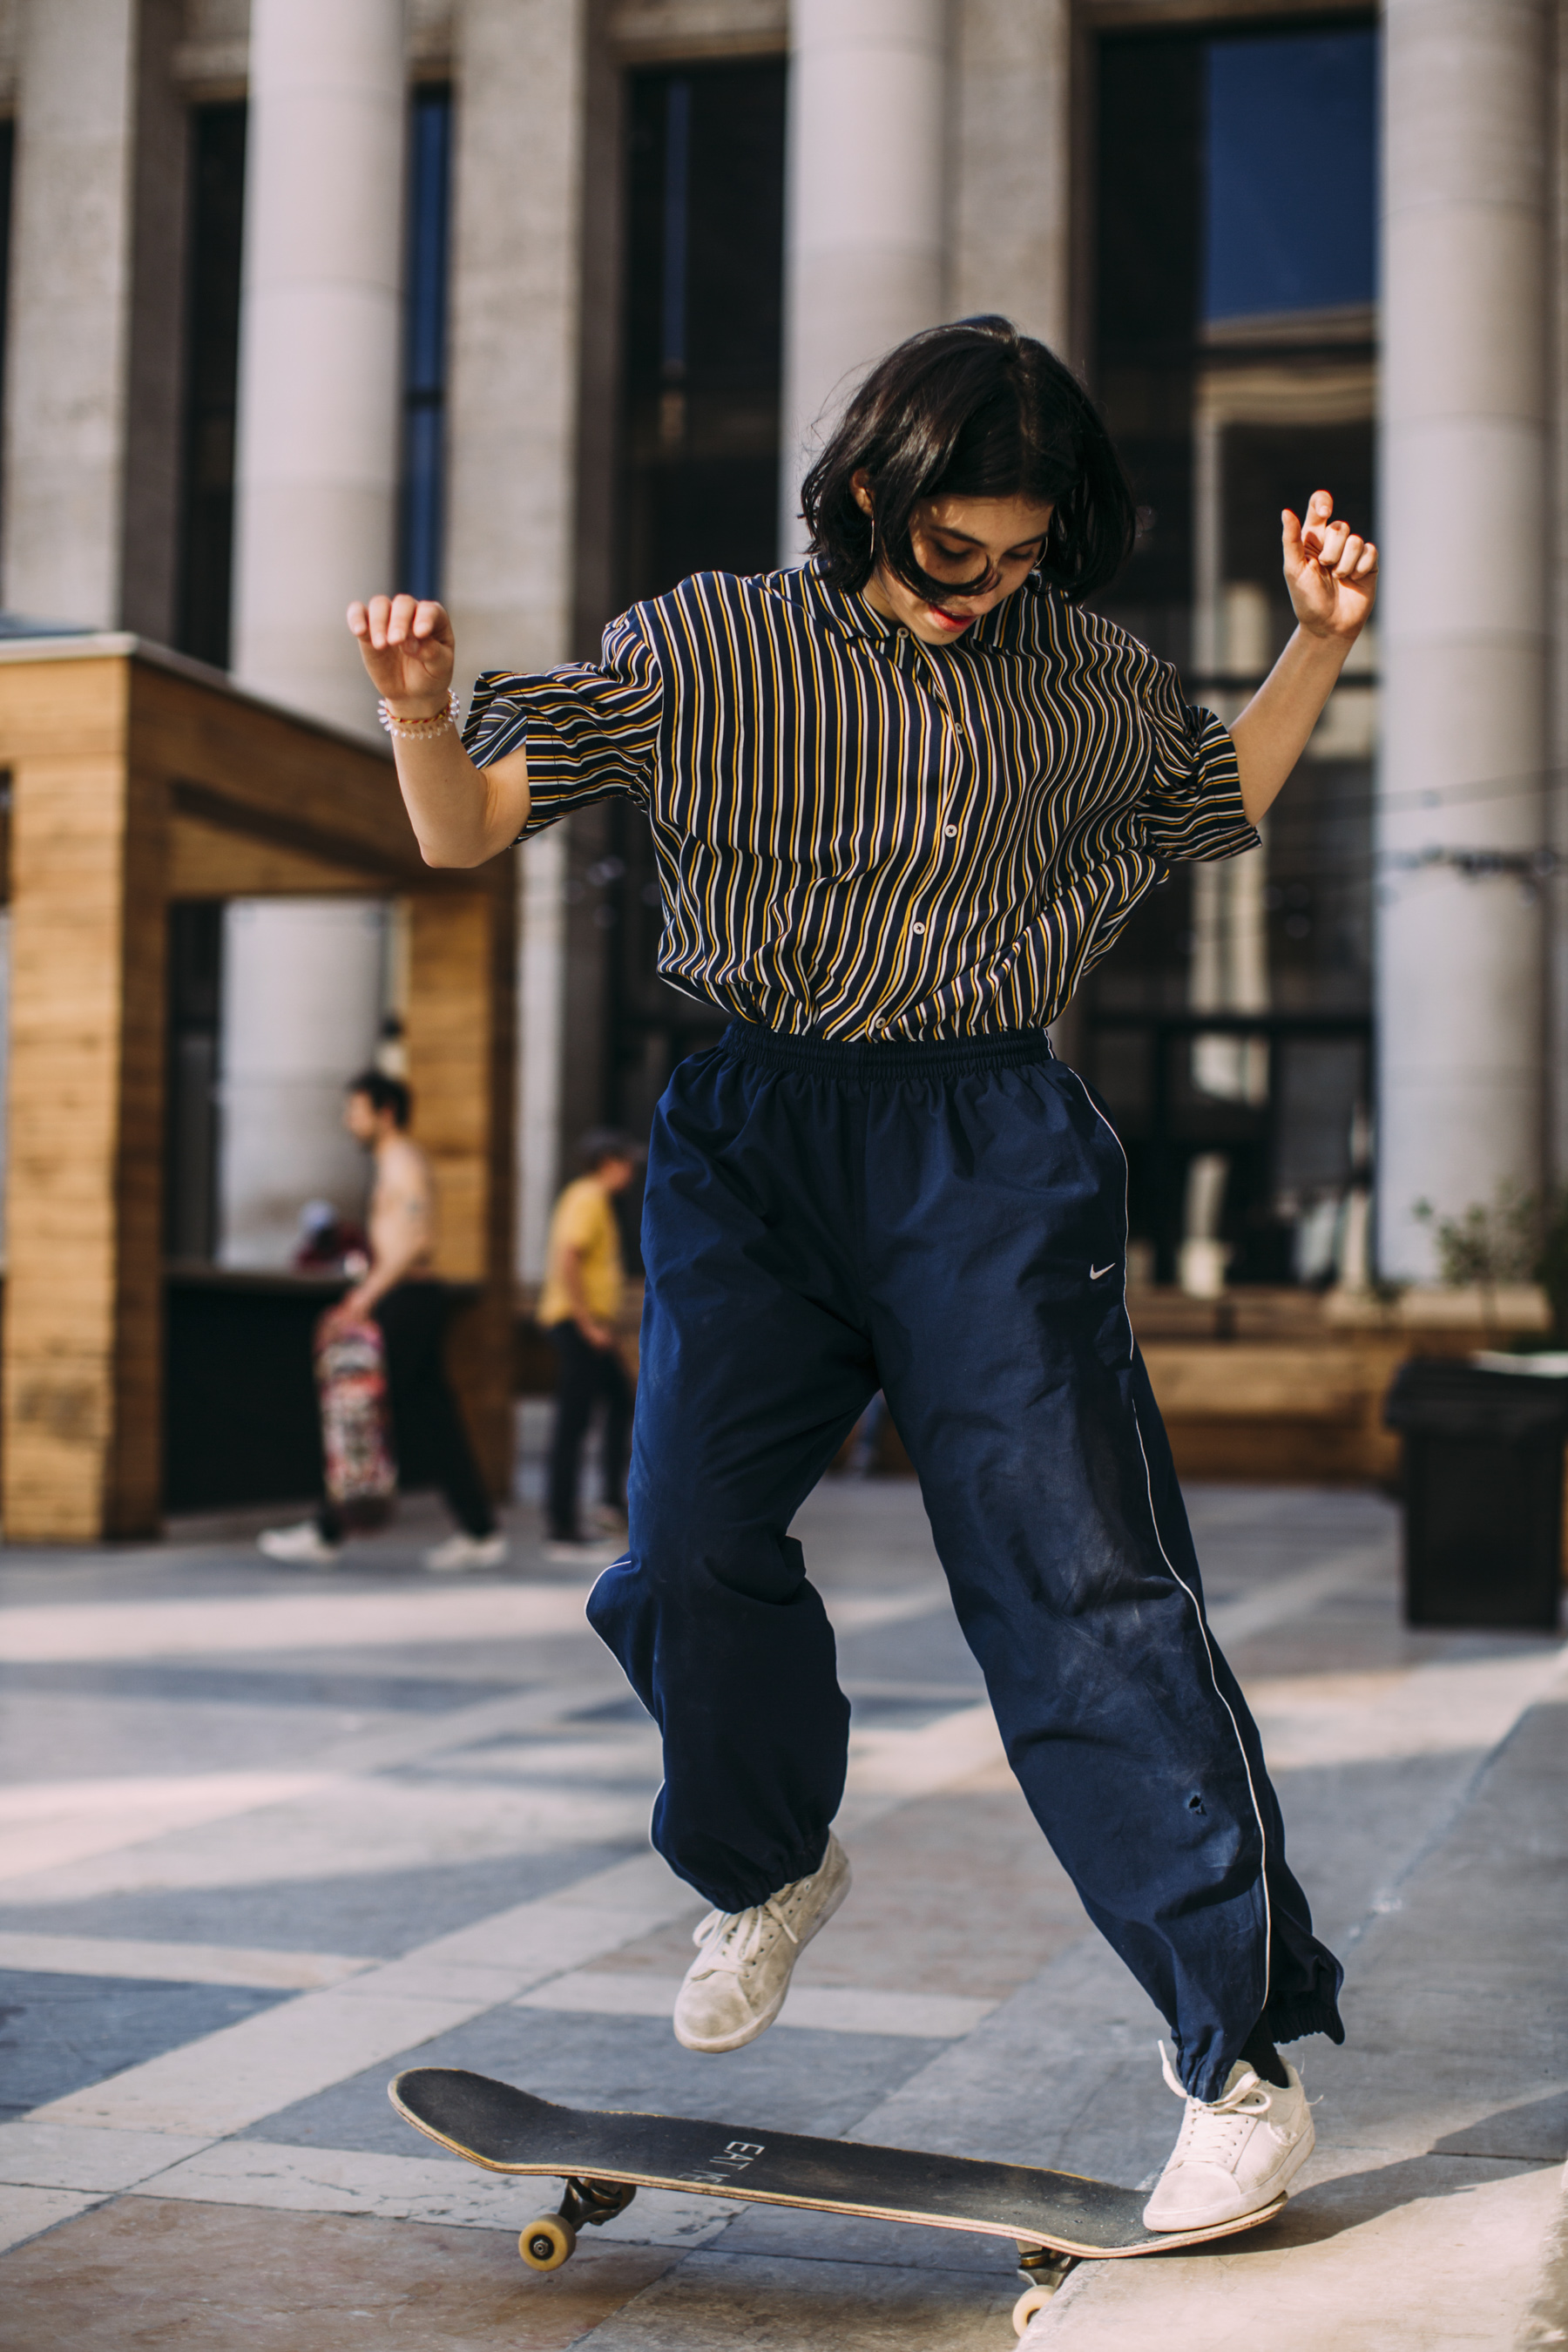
699,470
704,308
206,529
196,1014
421,511
1278,238
1234,361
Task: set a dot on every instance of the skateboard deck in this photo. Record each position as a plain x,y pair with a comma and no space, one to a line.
350,1380
604,2157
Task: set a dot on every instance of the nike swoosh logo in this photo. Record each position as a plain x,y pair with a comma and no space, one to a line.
1096,1271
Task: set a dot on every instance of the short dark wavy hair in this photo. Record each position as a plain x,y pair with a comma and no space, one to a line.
970,410
384,1092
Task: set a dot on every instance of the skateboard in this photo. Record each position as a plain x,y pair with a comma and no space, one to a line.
350,1382
1057,2218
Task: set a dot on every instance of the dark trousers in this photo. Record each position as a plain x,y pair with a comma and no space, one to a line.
429,1442
587,1375
947,1223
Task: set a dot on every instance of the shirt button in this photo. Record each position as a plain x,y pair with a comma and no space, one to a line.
918,927
952,833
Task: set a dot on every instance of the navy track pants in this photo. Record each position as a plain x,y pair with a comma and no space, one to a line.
947,1222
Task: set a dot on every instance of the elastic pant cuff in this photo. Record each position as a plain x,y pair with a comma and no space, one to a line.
1295,2015
747,1895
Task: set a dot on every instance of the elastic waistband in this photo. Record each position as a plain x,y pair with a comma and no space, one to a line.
830,1057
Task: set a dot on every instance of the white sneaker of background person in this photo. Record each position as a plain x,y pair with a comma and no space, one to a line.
736,1986
462,1552
302,1547
1234,2155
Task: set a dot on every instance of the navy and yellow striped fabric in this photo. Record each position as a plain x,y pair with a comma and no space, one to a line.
860,835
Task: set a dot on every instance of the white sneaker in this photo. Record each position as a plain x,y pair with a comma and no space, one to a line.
303,1547
736,1986
463,1551
1234,2154
588,1551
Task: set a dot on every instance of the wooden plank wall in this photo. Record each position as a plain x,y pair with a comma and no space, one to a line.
132,783
83,1376
459,1031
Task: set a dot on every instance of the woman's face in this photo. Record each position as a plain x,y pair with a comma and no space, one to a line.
998,540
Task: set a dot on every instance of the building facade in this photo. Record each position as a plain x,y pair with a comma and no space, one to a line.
538,305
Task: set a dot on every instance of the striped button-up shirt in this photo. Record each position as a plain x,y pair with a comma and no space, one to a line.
860,835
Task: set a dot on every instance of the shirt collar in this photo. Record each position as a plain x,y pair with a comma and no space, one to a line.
850,610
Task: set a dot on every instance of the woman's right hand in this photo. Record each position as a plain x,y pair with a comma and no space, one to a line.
409,651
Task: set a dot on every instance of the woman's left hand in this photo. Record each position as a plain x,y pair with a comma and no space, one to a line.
1330,571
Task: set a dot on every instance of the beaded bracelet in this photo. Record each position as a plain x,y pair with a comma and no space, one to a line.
418,730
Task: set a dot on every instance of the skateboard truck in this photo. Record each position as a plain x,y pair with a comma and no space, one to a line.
549,2239
1042,2268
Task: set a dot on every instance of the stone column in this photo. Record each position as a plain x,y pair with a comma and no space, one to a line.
315,465
69,328
315,502
516,267
511,504
864,206
1464,514
302,1003
1011,169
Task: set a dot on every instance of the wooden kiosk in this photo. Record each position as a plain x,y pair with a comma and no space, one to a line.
139,779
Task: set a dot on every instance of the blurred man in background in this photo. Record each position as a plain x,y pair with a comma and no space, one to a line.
402,1292
580,1306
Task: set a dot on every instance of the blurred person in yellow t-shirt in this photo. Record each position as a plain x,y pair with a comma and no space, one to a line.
585,1288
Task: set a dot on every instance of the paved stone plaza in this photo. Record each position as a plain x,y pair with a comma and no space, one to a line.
268,1836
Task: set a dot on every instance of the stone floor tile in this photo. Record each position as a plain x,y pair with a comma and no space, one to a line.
59,2034
804,2082
375,1914
716,2301
432,2187
230,2079
185,1964
143,2275
959,1894
79,2155
1419,2253
777,2229
27,2212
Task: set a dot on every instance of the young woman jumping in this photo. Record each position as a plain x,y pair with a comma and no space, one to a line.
902,799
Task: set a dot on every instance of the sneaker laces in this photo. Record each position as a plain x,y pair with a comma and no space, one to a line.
734,1939
1212,2130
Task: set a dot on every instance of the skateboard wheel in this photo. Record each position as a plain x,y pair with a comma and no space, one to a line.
547,2242
1033,2299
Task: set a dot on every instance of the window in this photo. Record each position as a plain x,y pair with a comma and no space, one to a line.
421,507
196,1022
698,486
1236,365
704,310
1278,239
206,524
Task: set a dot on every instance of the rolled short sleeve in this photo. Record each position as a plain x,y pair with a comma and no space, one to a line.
1191,800
591,732
581,1219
